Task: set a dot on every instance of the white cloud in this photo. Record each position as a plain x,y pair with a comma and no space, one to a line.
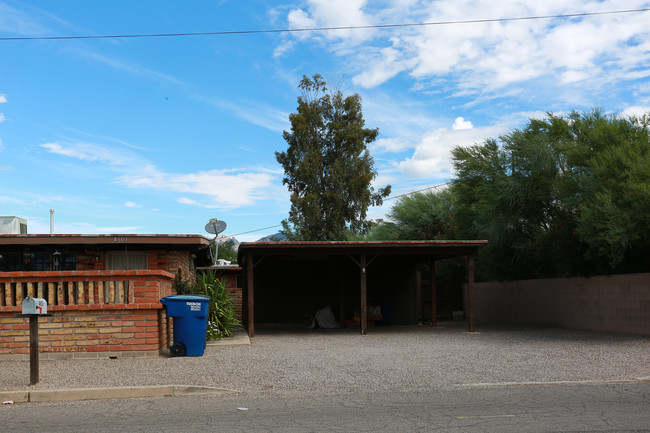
14,21
392,145
86,152
283,48
188,201
3,99
489,57
333,13
432,155
398,116
132,205
299,19
386,64
573,76
11,200
130,67
637,111
461,123
226,189
257,114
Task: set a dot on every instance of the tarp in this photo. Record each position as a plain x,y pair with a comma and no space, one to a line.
324,318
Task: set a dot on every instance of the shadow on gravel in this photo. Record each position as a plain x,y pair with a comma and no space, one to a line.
529,333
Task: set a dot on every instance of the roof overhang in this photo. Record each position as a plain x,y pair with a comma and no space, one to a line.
117,240
432,249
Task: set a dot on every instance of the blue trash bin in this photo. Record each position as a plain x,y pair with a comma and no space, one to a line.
190,313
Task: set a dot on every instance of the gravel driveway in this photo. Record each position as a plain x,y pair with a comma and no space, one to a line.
391,359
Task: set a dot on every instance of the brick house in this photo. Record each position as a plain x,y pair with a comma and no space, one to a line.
103,291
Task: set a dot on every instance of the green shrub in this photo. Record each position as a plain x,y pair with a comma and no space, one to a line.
222,320
184,284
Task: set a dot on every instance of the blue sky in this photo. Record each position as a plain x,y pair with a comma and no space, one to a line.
158,135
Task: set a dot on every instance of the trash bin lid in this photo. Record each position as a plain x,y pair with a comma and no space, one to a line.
184,298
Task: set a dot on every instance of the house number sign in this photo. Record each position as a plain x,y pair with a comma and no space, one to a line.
120,239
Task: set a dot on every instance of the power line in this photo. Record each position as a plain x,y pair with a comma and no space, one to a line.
389,198
257,230
321,29
420,190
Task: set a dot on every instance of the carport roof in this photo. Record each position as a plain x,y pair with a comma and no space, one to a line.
440,249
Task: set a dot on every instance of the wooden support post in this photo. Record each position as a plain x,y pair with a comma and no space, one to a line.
418,297
250,267
341,303
33,349
19,293
33,346
51,294
470,291
91,292
434,301
364,301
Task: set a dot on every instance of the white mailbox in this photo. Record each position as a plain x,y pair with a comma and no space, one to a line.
34,306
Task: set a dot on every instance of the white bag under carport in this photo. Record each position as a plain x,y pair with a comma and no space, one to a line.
324,318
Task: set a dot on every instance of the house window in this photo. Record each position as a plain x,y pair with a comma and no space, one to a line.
126,261
38,261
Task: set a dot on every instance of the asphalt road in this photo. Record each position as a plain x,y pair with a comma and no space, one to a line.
613,407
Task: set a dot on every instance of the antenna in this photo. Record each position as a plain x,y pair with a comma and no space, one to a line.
215,227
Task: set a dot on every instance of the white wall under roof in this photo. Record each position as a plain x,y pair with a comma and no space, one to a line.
11,225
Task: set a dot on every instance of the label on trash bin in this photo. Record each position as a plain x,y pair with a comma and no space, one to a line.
194,306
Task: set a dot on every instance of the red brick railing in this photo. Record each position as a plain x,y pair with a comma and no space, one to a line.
86,290
115,313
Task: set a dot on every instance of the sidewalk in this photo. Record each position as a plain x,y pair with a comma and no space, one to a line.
307,363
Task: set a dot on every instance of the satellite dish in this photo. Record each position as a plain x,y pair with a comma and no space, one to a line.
215,226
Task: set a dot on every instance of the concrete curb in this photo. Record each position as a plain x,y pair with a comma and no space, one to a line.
110,392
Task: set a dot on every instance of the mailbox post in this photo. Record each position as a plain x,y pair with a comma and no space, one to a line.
34,308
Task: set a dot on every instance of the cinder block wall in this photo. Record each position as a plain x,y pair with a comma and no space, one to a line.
616,303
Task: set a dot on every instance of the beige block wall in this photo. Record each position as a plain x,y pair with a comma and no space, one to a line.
617,303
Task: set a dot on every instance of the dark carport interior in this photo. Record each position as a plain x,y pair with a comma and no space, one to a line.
376,282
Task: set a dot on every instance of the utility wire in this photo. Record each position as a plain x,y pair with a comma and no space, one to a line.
389,198
321,29
257,230
419,190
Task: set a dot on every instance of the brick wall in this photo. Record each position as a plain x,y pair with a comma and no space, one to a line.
616,303
170,261
90,316
109,332
229,276
91,260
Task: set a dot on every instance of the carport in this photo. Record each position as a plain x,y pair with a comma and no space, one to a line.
286,276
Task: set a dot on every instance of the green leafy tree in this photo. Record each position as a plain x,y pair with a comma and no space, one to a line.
613,163
328,169
562,196
227,251
420,216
